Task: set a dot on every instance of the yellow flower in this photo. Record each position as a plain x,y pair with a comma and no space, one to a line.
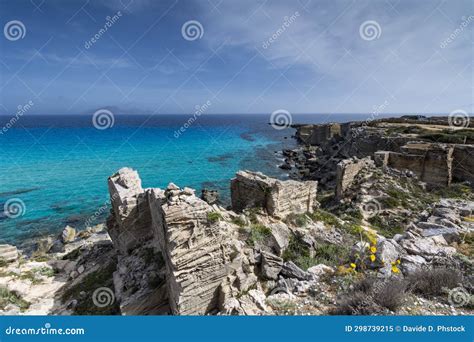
395,269
353,265
373,249
372,257
398,261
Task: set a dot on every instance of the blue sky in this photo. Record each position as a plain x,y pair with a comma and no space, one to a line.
319,62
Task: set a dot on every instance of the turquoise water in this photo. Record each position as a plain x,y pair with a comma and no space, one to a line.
58,165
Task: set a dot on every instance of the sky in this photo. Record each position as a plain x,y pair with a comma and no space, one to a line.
246,56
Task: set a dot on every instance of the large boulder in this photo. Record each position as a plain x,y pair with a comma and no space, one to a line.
278,198
291,270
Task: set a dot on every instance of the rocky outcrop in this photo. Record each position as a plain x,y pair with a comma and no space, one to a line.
346,172
317,134
130,223
463,163
185,253
278,198
198,254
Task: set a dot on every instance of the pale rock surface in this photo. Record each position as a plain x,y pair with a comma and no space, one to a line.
8,253
130,224
278,198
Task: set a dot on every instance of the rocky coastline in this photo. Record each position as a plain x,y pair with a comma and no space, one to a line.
376,218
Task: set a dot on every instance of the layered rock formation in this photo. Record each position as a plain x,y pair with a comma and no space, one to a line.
346,172
428,148
198,254
129,225
278,198
196,251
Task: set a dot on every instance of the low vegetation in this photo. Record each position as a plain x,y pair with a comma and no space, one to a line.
324,253
388,226
8,297
456,136
213,217
298,220
369,296
431,282
83,291
258,233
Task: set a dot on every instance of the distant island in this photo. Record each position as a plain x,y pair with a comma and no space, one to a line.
377,218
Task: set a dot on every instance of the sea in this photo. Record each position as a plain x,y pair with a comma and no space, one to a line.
54,168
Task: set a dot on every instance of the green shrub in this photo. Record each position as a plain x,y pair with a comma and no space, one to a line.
324,253
299,220
238,221
387,226
213,217
331,254
456,190
325,217
9,297
258,234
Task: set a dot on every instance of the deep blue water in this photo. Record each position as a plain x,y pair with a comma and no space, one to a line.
58,165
